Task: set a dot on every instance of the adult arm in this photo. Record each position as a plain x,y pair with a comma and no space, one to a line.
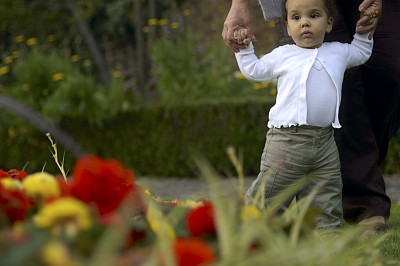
238,17
369,23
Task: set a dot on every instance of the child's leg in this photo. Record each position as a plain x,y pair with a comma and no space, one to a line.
286,158
327,174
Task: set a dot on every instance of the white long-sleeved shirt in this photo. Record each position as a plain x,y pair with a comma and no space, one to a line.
291,65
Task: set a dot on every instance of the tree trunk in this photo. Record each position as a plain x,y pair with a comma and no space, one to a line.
140,49
94,49
152,15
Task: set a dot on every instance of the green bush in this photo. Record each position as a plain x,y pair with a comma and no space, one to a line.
189,69
54,86
155,140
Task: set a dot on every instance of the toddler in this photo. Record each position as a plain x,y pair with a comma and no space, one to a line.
300,138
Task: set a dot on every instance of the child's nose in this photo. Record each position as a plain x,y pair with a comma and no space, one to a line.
305,22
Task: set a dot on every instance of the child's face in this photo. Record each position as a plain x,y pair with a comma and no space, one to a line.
308,22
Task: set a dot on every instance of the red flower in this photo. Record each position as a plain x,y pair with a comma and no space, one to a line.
65,188
200,220
192,252
13,204
3,174
14,173
102,182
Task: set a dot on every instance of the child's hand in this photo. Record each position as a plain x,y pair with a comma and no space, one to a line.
242,36
372,11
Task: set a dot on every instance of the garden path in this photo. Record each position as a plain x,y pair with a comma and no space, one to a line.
193,188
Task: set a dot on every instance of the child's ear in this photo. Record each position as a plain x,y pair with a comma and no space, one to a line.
330,24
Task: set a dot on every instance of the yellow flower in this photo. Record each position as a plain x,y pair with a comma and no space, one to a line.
116,74
257,86
187,12
8,59
163,22
250,212
152,22
55,253
174,25
58,76
19,38
41,186
75,58
67,211
271,24
15,54
32,41
4,70
238,75
191,204
11,184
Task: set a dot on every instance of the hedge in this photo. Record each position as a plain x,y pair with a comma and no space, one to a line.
158,139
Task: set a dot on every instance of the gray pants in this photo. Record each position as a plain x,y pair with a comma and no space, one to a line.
293,153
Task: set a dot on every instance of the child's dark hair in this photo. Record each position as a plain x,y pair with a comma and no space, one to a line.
330,8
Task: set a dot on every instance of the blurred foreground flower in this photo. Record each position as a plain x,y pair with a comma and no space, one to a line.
11,184
200,220
104,183
16,174
192,252
250,212
41,186
67,214
13,205
55,253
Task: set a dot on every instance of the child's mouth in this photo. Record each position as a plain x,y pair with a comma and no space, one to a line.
306,34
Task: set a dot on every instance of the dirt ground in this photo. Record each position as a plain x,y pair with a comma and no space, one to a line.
191,188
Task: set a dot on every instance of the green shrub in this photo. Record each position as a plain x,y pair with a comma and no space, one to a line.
190,69
54,86
154,140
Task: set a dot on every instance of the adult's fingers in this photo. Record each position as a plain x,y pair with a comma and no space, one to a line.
367,25
365,4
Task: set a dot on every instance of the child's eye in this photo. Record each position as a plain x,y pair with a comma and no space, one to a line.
314,15
296,17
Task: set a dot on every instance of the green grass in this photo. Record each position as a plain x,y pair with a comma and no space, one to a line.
390,247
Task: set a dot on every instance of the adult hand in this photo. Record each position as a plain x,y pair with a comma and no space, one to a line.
368,21
238,17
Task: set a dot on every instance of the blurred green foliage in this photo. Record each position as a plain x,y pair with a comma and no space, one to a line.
156,139
190,69
54,86
391,164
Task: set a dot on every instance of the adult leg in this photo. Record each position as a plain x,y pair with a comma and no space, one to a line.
381,75
364,193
